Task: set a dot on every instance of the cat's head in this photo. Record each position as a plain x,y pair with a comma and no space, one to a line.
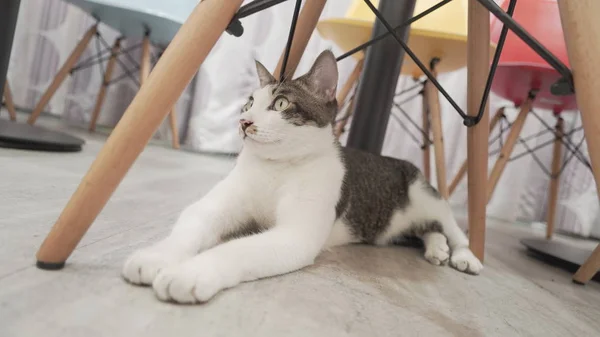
292,117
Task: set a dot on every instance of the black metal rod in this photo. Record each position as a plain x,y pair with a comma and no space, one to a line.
516,28
290,40
495,61
539,134
255,7
416,60
535,157
415,124
536,148
500,134
566,143
407,130
383,36
91,62
127,73
406,100
573,154
411,88
100,65
122,64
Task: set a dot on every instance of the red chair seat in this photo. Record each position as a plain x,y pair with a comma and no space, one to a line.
520,68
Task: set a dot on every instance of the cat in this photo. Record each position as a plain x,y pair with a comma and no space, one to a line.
293,192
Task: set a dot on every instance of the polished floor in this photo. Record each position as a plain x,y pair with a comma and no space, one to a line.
351,291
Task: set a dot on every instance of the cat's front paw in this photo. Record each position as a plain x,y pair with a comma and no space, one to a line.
143,266
194,281
464,260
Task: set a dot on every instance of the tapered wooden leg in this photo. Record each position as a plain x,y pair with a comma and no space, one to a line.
110,66
426,134
174,131
145,60
463,168
509,145
591,266
10,104
148,109
340,126
307,21
437,133
352,79
462,171
582,31
343,94
478,49
145,66
62,74
555,178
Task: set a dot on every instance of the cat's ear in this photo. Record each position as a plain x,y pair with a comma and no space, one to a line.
264,75
323,76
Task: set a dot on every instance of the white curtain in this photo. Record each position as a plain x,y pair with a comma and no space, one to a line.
48,30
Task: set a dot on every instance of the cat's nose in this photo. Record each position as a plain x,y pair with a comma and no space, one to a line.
245,124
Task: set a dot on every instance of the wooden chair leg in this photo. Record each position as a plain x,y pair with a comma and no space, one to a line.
555,178
591,266
343,94
145,66
463,168
10,104
172,73
506,151
145,60
426,135
339,127
582,31
110,66
174,130
62,74
478,49
307,21
352,79
437,133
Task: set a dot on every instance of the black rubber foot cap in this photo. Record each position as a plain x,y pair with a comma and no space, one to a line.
50,265
577,282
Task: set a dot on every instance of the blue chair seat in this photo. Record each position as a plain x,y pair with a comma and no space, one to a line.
132,18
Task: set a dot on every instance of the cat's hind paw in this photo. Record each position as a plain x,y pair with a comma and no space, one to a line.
464,260
437,255
142,266
437,251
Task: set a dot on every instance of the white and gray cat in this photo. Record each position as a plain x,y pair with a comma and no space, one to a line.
293,192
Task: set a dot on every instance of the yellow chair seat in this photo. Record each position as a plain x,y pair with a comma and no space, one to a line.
441,34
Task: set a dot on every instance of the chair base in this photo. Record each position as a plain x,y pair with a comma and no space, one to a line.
50,265
559,254
27,137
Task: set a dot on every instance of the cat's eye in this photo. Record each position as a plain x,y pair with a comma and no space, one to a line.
281,104
248,105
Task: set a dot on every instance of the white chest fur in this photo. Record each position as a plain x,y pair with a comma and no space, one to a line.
267,185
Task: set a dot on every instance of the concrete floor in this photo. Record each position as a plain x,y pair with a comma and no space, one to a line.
351,291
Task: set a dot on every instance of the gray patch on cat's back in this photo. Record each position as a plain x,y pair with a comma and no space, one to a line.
374,187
